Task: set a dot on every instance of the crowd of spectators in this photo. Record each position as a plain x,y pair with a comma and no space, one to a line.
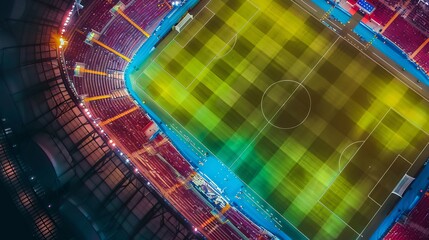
414,225
409,28
155,156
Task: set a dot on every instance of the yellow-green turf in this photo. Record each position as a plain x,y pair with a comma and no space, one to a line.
314,127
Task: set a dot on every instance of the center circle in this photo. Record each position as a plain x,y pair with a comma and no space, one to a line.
286,104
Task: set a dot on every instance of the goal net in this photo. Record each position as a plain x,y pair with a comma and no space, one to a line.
185,20
403,185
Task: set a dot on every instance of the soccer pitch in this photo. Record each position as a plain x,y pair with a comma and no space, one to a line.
312,125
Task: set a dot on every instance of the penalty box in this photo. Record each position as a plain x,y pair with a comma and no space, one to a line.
204,39
374,170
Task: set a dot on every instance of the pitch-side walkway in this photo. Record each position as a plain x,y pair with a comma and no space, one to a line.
230,185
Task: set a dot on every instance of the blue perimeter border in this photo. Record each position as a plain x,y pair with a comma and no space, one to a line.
412,195
381,43
233,185
384,45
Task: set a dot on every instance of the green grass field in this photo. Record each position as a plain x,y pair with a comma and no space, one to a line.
314,127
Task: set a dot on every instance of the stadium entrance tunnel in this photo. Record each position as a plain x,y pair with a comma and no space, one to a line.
48,159
286,104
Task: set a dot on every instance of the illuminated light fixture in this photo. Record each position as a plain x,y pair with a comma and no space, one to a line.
62,41
176,3
136,170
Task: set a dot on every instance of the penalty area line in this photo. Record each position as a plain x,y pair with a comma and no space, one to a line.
363,143
253,191
338,217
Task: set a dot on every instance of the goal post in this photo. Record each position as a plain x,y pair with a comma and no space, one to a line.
185,20
403,185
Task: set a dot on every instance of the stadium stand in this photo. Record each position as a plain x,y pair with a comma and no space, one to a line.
159,160
406,24
412,226
419,16
405,35
423,58
85,189
382,13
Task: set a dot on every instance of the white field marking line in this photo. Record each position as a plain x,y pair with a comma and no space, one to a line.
268,123
208,8
308,5
314,16
302,8
412,123
155,58
248,187
299,124
406,160
339,218
391,71
334,24
369,135
239,30
397,70
256,6
365,55
183,136
261,207
232,47
348,34
388,195
375,214
210,62
420,153
140,88
177,122
409,161
373,200
195,34
273,209
394,74
382,176
341,155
